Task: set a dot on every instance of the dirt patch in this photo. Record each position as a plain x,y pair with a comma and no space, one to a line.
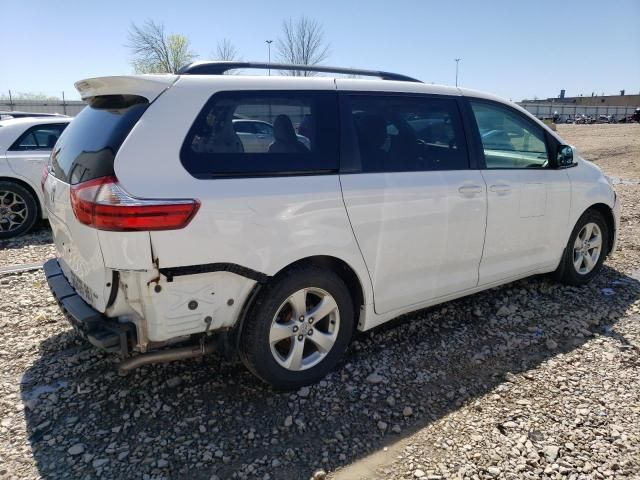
615,148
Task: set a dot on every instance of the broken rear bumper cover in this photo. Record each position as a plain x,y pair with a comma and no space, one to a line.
102,332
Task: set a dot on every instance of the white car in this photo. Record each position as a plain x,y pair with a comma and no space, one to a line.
170,234
11,114
25,146
258,135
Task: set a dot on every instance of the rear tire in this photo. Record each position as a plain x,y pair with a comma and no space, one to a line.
18,210
586,250
281,341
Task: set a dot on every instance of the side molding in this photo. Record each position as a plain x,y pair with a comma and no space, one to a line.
169,273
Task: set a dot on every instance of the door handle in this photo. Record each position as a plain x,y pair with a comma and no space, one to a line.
470,190
500,188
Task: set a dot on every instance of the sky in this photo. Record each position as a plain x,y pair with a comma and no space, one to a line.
515,49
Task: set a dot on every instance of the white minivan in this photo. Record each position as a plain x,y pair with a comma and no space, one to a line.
173,239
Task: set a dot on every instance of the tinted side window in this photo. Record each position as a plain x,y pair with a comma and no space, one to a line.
213,147
403,133
509,140
42,137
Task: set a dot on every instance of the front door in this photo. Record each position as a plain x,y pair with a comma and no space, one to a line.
528,199
417,210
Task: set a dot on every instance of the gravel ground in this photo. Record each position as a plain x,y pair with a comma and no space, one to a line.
530,380
36,247
614,148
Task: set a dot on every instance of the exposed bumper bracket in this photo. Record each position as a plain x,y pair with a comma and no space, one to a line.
102,332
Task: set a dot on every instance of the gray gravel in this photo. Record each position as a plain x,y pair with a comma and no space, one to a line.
35,247
484,392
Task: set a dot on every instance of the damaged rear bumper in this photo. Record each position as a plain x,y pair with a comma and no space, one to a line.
101,331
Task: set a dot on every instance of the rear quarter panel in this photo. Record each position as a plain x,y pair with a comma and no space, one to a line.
11,169
261,223
27,169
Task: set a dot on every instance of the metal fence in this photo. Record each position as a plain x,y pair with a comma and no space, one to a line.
64,107
540,110
546,110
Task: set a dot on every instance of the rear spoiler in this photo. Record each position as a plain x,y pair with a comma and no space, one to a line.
147,86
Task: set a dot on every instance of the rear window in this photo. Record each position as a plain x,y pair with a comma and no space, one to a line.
87,148
264,133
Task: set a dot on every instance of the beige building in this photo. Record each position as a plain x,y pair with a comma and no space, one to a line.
606,101
592,101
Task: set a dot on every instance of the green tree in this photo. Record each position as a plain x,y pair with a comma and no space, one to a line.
153,51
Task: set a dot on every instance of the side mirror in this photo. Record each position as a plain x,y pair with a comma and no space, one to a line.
565,156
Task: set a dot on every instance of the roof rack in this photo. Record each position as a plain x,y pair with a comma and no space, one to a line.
219,68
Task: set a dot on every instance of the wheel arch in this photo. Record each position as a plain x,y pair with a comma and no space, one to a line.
229,341
346,273
29,188
607,212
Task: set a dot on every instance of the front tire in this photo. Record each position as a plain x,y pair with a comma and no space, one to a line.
18,210
298,328
586,250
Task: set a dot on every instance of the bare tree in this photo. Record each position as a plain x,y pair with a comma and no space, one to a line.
153,51
225,50
302,43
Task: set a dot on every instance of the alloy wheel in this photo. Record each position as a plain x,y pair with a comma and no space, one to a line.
587,248
13,211
304,329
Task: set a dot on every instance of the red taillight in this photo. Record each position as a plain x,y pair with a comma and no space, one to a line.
103,204
43,177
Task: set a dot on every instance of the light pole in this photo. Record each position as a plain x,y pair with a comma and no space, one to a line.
457,62
269,42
